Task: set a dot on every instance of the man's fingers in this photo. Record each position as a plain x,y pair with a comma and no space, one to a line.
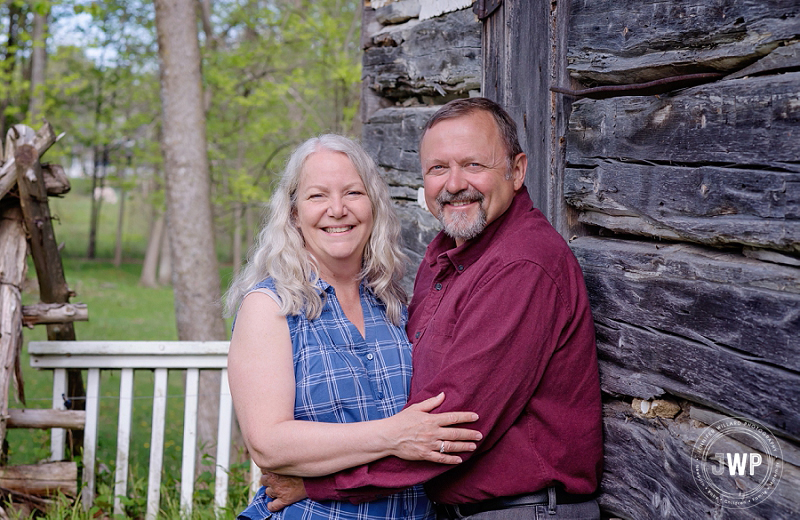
276,505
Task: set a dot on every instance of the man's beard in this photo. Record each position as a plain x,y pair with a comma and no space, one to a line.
461,226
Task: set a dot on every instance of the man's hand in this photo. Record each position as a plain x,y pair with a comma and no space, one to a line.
284,490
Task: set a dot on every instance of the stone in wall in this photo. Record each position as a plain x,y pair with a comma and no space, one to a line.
392,137
440,57
418,229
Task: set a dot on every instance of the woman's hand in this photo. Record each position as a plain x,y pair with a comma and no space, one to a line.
421,435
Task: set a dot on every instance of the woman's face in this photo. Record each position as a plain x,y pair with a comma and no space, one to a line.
334,213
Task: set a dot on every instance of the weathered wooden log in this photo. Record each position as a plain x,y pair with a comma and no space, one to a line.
46,259
392,137
706,204
612,41
55,179
749,122
713,327
782,59
436,57
44,139
13,250
648,471
41,479
49,313
46,418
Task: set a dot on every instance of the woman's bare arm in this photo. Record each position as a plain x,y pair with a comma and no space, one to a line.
261,375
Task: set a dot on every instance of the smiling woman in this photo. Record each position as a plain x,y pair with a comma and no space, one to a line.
319,362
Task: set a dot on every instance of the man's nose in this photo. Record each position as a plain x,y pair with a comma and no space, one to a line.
456,180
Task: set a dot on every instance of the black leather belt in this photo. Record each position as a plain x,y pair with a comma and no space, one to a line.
493,504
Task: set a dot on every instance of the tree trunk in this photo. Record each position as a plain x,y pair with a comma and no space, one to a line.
97,201
237,237
38,65
195,277
150,264
120,221
165,261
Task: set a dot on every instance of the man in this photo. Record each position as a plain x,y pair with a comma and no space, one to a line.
500,322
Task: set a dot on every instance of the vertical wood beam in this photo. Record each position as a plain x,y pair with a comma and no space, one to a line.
90,437
524,53
123,438
157,443
12,275
223,444
189,440
46,259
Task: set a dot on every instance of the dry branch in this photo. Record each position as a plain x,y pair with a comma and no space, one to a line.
49,313
44,419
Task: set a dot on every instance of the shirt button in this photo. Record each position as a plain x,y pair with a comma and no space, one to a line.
438,287
370,356
460,267
418,334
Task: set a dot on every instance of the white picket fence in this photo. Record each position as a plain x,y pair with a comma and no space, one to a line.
128,356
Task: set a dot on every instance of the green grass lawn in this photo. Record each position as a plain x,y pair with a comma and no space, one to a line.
119,309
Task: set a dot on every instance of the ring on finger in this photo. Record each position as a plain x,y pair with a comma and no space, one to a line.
441,449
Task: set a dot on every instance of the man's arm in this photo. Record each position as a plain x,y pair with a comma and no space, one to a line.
492,364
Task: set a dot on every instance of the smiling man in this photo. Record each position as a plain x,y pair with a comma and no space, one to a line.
500,322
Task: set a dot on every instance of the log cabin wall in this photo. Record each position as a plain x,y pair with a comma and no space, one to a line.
682,207
418,55
684,211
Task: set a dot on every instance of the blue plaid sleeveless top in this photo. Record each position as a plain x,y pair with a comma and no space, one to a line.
342,377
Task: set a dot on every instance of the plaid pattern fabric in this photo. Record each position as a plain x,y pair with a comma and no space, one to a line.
342,377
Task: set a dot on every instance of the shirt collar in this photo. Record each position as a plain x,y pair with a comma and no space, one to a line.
470,251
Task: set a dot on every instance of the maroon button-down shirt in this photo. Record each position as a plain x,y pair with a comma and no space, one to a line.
502,325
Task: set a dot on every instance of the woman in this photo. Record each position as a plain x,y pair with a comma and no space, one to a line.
319,363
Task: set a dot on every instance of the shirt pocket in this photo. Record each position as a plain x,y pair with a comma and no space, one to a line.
440,333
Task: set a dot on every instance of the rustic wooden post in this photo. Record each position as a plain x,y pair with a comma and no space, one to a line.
524,54
12,274
46,258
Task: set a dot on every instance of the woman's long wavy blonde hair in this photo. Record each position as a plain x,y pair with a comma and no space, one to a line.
279,250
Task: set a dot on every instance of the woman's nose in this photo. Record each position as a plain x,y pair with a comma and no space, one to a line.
337,208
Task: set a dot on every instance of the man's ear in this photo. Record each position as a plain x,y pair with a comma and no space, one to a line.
518,168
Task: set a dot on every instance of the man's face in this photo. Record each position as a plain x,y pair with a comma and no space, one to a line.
465,168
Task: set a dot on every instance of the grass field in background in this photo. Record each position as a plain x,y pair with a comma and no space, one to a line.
119,309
